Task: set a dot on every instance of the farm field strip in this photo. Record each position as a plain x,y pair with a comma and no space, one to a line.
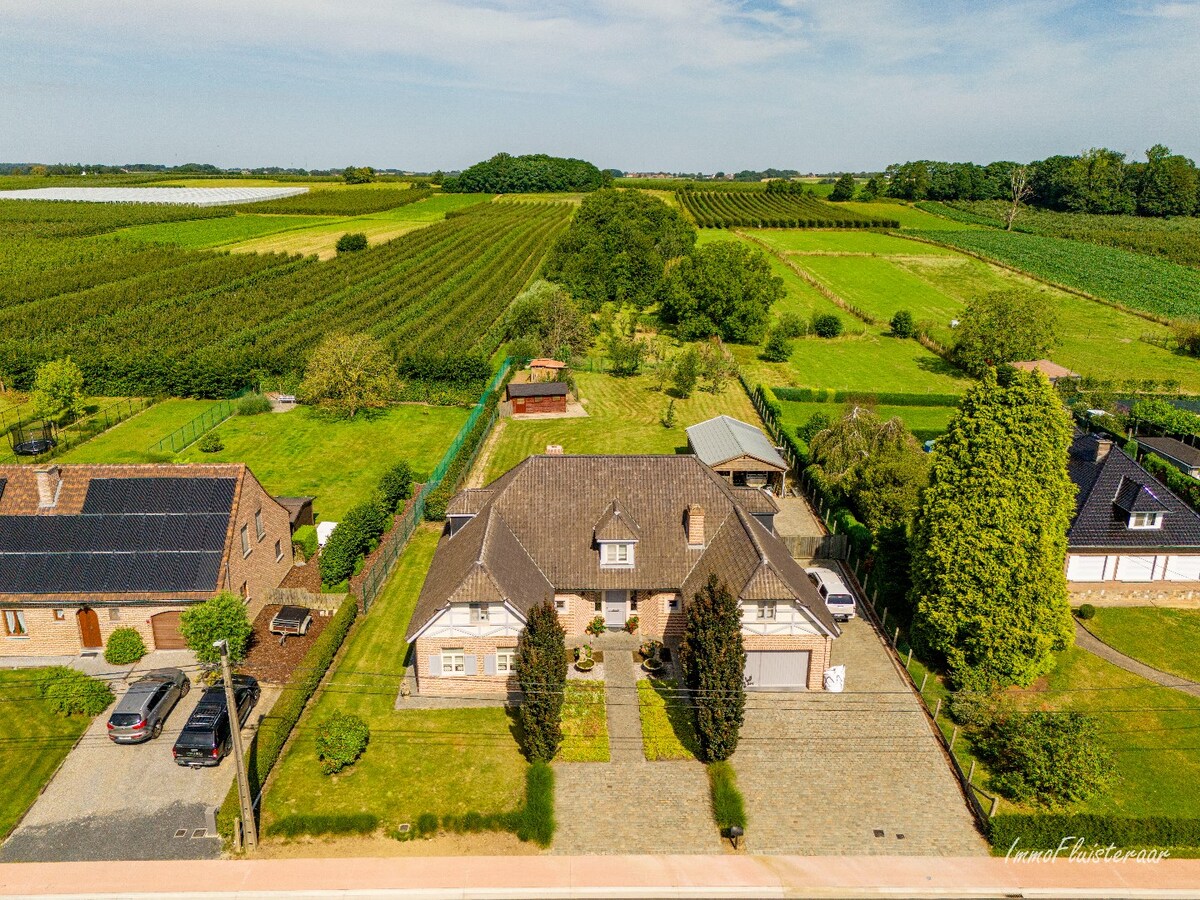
725,209
207,233
844,242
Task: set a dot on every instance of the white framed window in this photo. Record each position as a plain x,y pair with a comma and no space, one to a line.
60,615
1145,520
766,609
245,541
506,660
560,604
278,551
259,528
454,662
673,604
617,555
479,613
14,623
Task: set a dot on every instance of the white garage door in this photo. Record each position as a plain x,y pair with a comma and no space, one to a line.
777,669
1183,568
1085,568
1135,568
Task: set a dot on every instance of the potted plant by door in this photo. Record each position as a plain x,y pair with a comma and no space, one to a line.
584,660
652,656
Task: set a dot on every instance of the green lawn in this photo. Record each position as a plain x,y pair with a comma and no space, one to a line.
880,288
308,453
584,723
34,740
446,762
908,216
129,441
667,729
200,233
623,417
1167,639
925,422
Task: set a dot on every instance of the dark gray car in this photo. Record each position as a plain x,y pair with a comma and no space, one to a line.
144,708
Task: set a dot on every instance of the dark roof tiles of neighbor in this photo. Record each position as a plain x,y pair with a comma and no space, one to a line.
1116,480
538,389
1165,446
534,531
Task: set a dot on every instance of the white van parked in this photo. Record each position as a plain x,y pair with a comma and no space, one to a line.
838,599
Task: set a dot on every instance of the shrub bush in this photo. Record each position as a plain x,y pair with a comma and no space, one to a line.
341,740
1045,831
1086,611
827,325
210,442
304,542
596,627
356,535
253,404
395,487
541,670
778,347
273,733
790,325
352,242
902,324
222,617
728,805
426,824
70,692
125,645
299,824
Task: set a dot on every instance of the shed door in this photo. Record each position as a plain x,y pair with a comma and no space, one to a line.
1135,568
777,669
166,631
1183,568
1085,568
519,404
89,628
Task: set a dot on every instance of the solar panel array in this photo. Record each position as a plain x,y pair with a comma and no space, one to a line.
135,535
177,196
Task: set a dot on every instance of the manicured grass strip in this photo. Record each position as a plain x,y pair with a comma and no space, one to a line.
584,723
925,422
728,804
667,728
301,824
537,816
34,740
1166,639
128,441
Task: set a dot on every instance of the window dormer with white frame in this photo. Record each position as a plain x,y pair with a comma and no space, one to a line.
617,554
1144,521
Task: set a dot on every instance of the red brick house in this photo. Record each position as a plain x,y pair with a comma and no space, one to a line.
87,549
610,537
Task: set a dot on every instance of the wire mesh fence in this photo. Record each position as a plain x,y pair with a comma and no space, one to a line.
189,433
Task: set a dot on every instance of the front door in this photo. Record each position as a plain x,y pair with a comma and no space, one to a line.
616,605
89,628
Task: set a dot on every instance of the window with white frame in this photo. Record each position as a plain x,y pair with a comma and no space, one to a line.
766,609
616,554
560,604
479,613
245,540
14,623
278,551
259,528
454,662
673,604
506,661
1145,520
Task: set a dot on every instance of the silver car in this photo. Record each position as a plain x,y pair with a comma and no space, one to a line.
142,711
838,599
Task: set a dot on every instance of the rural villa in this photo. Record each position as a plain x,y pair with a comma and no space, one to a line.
614,537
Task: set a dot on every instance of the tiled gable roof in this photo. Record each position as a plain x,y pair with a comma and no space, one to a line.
1105,485
617,525
544,514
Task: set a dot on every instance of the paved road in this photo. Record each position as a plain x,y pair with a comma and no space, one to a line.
112,802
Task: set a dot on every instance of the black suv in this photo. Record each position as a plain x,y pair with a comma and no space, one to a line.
205,739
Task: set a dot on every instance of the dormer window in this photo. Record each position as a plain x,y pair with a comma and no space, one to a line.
616,554
1145,520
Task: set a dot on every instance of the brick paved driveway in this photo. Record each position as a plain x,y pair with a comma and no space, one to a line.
822,773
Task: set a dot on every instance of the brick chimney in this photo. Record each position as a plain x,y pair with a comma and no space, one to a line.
1103,445
695,525
49,483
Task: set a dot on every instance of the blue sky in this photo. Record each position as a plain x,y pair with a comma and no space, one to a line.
634,84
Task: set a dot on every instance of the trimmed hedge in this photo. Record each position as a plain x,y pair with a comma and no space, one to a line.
1186,487
728,804
125,645
273,733
1046,832
881,398
304,542
356,535
299,824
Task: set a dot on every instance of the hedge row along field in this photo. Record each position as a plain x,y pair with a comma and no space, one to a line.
207,324
355,201
759,209
1161,288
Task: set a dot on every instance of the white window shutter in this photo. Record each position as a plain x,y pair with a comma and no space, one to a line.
435,664
470,664
489,664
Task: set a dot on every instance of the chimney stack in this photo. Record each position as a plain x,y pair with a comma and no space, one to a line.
1103,445
695,525
49,483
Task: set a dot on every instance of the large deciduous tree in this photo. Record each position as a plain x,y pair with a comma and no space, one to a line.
1003,327
541,670
57,388
726,285
551,320
714,663
220,618
989,591
843,188
349,373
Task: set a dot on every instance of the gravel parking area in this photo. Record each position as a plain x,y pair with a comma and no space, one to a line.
112,801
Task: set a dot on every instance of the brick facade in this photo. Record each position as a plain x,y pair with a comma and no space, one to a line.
462,685
262,570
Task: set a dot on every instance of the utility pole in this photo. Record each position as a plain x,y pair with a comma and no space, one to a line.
235,734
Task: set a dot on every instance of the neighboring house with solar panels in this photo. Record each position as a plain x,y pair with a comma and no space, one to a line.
87,549
1130,534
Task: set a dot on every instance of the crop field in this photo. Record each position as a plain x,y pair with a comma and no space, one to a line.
205,233
1133,280
844,243
352,201
444,285
907,215
728,209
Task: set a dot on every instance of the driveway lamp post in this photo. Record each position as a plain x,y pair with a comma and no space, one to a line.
735,832
235,734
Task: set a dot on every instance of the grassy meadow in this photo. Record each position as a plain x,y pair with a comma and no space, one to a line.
1163,638
925,422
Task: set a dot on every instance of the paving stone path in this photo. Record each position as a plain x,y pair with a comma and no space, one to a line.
629,805
1089,642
